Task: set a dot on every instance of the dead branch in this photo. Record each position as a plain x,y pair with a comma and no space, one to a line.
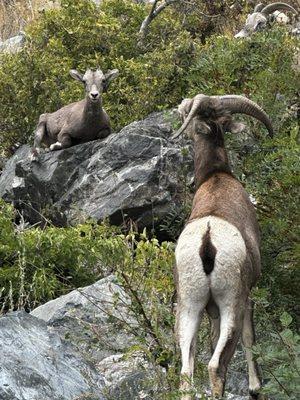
156,9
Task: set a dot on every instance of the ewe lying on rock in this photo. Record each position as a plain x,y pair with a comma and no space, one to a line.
78,122
217,254
263,15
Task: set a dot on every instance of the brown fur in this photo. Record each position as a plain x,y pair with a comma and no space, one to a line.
210,154
218,194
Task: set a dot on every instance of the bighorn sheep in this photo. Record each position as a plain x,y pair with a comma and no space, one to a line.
217,254
78,122
261,16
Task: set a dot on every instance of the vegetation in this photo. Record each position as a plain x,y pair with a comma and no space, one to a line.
80,35
175,61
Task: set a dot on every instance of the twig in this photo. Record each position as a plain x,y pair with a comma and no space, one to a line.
202,13
278,382
142,311
96,304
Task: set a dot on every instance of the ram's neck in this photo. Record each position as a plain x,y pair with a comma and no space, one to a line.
210,157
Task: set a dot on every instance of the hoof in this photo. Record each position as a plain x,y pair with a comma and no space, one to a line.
34,157
56,146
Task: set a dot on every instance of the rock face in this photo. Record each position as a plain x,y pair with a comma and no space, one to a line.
36,364
89,315
74,348
135,173
13,44
94,320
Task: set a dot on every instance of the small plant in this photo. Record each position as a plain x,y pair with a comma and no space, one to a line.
280,361
37,265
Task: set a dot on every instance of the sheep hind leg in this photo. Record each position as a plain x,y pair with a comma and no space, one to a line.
188,319
214,319
248,339
231,319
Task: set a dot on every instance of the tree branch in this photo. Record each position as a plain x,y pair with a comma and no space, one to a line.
154,12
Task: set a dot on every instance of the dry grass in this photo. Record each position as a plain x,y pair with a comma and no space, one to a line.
14,15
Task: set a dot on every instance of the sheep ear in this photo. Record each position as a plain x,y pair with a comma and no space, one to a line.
236,127
110,75
76,75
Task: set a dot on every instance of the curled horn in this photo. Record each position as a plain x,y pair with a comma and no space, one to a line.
258,7
241,105
277,6
196,106
233,104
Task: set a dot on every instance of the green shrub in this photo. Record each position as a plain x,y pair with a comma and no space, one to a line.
80,35
37,265
278,351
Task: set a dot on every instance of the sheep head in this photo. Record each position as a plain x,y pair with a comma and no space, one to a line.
198,114
260,18
95,82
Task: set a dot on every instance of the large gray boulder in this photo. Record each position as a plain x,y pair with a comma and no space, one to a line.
92,318
36,364
136,173
98,323
81,346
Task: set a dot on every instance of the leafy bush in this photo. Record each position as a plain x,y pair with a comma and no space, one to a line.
146,274
278,352
38,265
80,35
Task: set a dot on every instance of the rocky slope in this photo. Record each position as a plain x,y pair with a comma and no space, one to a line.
74,348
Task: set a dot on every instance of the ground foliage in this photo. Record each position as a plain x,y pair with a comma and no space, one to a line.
38,265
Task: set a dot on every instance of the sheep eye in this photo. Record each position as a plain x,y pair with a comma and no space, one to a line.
259,25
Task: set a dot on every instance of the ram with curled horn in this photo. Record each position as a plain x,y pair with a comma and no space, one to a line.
217,253
262,16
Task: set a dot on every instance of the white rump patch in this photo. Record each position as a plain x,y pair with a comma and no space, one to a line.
230,256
